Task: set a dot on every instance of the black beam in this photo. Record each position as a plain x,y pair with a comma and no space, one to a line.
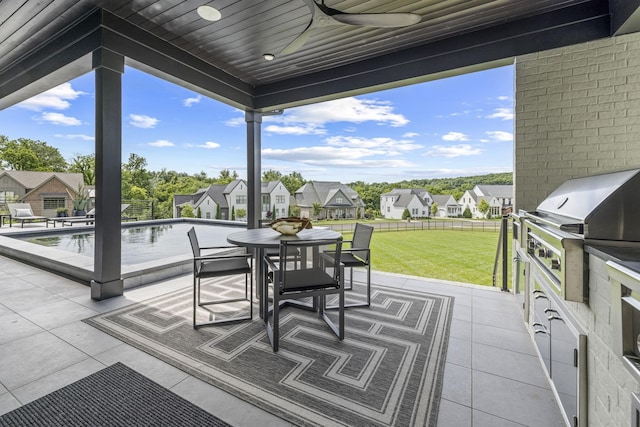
576,24
625,16
61,59
153,55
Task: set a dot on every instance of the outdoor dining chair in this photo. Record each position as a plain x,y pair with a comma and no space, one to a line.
321,275
358,255
227,261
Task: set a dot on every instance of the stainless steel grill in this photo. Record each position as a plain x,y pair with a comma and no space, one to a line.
598,209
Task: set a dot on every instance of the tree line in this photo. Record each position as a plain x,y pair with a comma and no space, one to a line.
139,183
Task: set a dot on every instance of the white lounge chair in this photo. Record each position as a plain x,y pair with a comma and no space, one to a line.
22,213
89,218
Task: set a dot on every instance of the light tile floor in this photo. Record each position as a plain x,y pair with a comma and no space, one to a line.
492,376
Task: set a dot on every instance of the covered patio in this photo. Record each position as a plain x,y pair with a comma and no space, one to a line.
493,375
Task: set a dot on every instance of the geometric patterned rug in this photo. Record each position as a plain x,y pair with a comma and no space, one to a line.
387,372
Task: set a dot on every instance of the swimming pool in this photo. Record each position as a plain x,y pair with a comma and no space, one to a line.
139,244
151,250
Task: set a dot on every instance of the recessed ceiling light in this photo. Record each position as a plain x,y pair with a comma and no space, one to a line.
209,13
269,56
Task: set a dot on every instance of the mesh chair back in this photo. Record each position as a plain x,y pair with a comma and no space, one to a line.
317,261
361,240
193,239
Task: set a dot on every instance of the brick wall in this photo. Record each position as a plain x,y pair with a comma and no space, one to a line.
53,186
577,113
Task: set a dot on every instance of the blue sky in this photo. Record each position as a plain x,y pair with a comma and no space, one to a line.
457,126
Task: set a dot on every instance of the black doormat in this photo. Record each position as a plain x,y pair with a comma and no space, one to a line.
114,396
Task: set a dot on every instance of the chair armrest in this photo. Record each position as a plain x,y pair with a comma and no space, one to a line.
214,257
222,247
271,264
327,257
208,248
356,249
354,253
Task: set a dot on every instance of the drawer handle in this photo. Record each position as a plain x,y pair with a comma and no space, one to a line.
539,331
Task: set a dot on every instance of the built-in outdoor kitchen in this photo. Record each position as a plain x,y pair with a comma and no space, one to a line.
577,267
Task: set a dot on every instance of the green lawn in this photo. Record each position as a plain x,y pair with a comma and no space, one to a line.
462,256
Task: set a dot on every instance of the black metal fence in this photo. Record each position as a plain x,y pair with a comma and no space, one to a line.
380,226
138,210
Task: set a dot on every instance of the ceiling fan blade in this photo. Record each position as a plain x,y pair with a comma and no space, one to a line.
298,42
381,20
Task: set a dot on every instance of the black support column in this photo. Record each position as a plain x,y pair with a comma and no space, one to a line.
254,168
107,279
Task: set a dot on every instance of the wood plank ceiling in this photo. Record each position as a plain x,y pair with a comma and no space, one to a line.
250,28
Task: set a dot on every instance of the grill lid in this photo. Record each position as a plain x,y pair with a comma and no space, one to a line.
605,206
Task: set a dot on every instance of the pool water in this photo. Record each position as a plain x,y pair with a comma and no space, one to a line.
141,244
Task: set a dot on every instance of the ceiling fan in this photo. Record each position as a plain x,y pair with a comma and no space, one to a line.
324,16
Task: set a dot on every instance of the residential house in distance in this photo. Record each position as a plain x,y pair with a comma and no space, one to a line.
499,198
447,206
231,197
208,200
44,191
276,200
337,200
417,200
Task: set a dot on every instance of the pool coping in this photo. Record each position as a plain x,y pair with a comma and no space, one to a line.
80,267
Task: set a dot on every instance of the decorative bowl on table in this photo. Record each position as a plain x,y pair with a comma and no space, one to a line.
291,225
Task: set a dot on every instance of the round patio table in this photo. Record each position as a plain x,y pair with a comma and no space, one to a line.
262,238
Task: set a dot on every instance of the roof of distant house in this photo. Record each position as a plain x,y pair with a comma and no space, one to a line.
502,191
323,191
33,179
268,186
444,199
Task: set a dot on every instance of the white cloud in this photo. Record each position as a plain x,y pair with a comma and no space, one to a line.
350,110
306,129
311,119
391,146
454,114
75,136
142,121
319,153
209,144
453,151
161,143
235,122
501,136
334,157
59,119
455,136
190,101
501,113
410,135
57,98
503,98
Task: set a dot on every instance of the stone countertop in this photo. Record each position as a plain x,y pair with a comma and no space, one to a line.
628,256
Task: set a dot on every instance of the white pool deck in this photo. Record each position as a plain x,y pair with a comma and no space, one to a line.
493,376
